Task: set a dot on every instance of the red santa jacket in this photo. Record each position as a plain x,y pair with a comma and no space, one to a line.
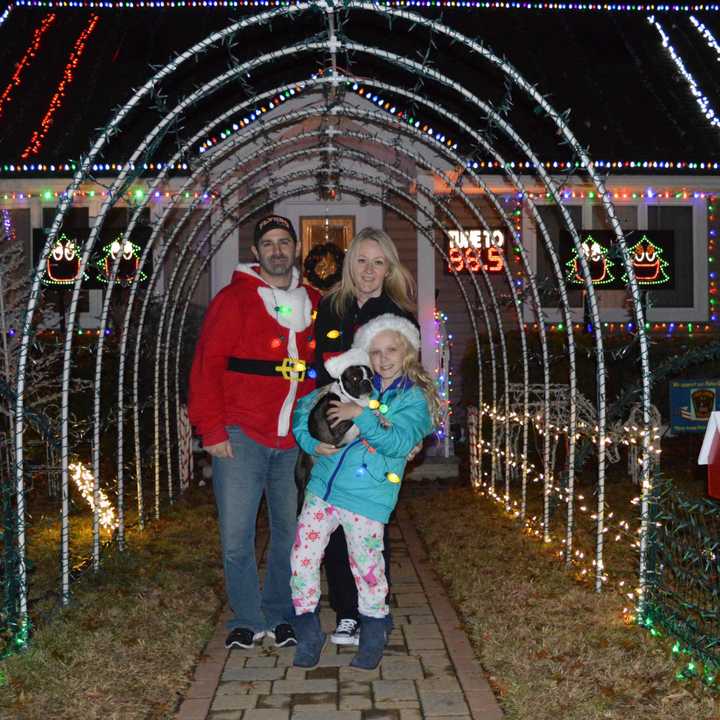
251,321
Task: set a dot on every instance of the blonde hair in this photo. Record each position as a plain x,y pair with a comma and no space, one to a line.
398,285
419,376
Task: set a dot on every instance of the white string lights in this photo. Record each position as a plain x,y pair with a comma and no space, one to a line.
84,481
702,100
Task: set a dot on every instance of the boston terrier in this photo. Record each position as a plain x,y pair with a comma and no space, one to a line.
354,385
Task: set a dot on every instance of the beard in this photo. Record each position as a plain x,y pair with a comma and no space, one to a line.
277,266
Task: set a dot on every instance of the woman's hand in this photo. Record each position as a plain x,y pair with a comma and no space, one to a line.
339,411
324,449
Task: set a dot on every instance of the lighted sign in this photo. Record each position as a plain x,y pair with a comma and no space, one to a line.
62,266
127,265
598,262
652,253
473,250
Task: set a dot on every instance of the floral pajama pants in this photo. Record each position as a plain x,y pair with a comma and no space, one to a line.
364,536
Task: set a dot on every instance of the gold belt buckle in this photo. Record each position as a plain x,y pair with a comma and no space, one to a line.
292,369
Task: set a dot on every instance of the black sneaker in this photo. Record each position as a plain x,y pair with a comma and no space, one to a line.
283,635
243,638
347,632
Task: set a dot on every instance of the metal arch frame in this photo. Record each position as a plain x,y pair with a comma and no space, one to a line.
230,191
58,218
266,149
606,200
384,120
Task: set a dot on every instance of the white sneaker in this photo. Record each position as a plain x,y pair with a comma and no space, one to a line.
346,633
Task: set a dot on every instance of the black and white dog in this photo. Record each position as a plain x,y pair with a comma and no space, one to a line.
353,383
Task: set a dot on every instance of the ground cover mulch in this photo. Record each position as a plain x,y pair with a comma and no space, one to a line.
553,649
127,644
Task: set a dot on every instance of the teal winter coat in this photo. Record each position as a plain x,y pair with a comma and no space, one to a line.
356,477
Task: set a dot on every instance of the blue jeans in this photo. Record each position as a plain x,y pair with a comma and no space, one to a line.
239,483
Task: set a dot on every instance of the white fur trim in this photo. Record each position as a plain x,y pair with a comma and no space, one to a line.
338,364
388,321
300,315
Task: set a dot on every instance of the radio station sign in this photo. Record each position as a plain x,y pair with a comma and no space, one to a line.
692,402
473,250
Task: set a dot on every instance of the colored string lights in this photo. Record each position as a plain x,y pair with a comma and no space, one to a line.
713,228
26,59
459,4
33,147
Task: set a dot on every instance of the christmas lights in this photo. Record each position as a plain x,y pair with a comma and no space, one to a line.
38,136
85,483
419,4
26,59
713,229
127,271
706,34
598,262
63,263
702,100
648,263
8,227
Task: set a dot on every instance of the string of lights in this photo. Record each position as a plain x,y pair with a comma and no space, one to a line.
702,100
26,59
85,483
706,34
713,227
33,147
419,4
636,166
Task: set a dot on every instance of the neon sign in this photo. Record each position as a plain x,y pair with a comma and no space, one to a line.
473,250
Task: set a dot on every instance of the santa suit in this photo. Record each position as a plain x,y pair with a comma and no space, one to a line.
245,371
247,374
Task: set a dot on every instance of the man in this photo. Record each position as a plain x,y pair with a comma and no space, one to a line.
248,371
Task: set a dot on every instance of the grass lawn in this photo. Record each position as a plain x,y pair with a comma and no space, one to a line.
127,644
554,649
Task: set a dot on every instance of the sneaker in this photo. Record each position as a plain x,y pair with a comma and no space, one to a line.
347,632
243,638
283,635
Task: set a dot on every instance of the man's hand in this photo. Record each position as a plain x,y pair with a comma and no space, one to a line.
220,450
325,449
339,411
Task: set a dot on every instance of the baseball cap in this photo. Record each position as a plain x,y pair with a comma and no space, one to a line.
273,222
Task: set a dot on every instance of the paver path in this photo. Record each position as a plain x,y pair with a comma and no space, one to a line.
428,671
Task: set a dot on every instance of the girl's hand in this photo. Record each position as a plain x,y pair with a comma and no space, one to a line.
325,449
339,411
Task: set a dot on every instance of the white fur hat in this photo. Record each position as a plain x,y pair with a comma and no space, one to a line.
388,321
338,364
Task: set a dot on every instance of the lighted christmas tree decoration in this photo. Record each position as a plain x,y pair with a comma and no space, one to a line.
62,266
127,271
599,264
648,263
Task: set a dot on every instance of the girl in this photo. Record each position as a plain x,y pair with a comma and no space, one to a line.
357,486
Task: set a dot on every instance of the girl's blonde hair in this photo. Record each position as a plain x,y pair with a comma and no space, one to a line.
419,376
399,284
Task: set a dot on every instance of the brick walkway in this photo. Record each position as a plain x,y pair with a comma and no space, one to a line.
428,670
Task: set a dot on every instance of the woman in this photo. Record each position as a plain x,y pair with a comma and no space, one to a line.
373,283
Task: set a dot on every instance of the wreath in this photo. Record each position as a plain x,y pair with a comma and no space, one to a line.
323,265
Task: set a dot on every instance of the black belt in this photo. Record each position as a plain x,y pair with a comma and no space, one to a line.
271,368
